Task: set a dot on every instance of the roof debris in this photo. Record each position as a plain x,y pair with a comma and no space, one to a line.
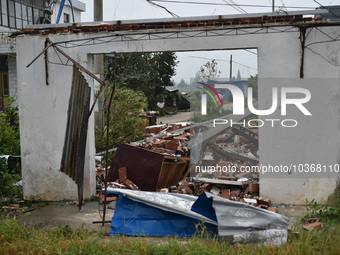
163,164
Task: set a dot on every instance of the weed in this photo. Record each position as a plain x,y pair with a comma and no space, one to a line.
327,214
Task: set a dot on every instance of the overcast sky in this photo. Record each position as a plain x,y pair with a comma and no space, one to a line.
190,62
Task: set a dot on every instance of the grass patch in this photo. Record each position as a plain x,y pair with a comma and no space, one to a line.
18,239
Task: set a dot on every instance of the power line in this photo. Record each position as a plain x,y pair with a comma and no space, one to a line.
220,4
232,1
250,51
237,8
222,60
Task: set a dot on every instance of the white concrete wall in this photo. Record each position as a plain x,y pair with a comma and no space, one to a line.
43,117
316,139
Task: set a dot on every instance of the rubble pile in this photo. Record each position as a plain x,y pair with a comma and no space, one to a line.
173,143
221,171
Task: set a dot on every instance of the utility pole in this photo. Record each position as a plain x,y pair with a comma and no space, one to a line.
231,68
98,68
98,16
98,65
273,7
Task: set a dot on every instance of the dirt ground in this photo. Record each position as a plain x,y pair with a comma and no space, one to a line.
49,217
178,117
52,215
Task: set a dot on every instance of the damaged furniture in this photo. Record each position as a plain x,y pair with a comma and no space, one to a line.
149,170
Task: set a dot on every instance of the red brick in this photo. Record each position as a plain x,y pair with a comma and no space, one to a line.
168,137
181,137
176,127
154,129
314,225
130,185
254,187
272,209
172,145
226,193
235,193
263,201
122,172
188,189
159,143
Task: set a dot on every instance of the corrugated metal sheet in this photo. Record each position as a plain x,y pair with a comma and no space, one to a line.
72,162
233,219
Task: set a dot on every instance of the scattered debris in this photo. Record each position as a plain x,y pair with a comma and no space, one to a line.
314,225
10,208
163,163
312,220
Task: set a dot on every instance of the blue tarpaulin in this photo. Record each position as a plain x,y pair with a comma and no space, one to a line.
135,218
168,214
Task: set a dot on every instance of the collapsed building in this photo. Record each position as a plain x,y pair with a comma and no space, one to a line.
294,50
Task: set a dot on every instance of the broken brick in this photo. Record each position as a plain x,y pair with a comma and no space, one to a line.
235,193
254,187
226,193
272,209
311,220
159,143
314,225
122,171
188,190
131,185
263,201
172,145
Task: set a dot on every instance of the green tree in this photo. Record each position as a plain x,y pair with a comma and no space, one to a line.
125,124
182,84
9,145
209,71
9,131
238,75
149,73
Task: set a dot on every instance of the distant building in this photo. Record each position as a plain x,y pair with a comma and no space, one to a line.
17,14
